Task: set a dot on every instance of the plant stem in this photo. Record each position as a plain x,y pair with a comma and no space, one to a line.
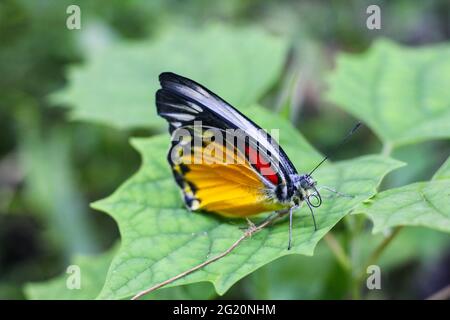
248,233
376,254
379,250
356,289
357,227
357,278
387,149
338,251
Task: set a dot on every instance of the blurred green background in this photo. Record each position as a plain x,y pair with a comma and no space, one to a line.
51,168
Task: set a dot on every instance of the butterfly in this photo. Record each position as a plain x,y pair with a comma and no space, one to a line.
233,175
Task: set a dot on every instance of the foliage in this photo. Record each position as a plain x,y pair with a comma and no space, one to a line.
240,64
92,276
157,230
389,82
267,58
417,204
93,270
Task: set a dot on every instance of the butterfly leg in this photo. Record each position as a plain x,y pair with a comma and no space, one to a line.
336,192
271,217
274,215
291,212
251,226
312,215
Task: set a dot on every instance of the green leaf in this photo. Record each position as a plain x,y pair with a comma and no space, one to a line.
51,183
93,271
117,86
413,243
401,93
444,171
161,239
424,204
299,277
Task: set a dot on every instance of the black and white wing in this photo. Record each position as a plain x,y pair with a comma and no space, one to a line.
182,101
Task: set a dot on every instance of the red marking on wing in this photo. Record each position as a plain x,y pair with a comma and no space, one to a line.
260,163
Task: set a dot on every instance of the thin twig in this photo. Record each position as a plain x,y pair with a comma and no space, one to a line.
248,233
386,149
338,252
357,279
443,294
379,250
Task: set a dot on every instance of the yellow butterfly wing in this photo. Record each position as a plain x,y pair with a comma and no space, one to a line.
231,189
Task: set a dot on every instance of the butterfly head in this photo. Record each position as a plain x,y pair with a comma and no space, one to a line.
305,190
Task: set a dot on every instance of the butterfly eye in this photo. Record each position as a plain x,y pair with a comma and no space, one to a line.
314,200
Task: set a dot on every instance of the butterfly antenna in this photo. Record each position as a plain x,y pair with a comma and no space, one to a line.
356,127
